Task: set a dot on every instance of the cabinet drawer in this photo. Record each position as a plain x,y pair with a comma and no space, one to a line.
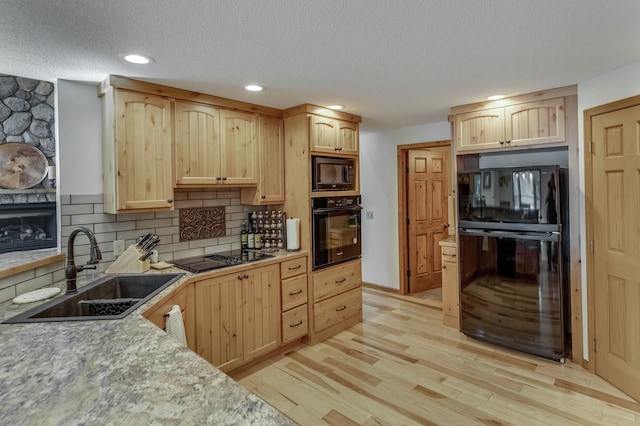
329,282
293,267
294,292
295,323
336,309
449,251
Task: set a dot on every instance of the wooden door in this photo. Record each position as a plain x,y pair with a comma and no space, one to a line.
143,143
615,208
478,130
238,148
219,321
427,185
323,134
261,311
197,144
347,138
271,160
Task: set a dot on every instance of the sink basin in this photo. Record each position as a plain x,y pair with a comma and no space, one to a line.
110,297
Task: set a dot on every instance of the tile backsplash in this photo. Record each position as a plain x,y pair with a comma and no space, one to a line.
87,211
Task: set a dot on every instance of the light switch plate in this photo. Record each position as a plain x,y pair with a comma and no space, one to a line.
118,247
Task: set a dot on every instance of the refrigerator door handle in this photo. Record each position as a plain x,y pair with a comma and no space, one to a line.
535,236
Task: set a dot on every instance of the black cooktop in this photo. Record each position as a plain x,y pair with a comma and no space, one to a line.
219,260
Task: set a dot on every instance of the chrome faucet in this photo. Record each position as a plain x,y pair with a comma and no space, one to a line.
72,269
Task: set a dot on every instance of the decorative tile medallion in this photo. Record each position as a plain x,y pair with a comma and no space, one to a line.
202,222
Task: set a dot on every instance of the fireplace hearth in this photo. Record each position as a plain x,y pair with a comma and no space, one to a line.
27,226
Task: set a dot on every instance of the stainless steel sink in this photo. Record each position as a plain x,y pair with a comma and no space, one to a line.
110,297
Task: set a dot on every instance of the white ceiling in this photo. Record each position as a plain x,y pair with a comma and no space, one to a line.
394,62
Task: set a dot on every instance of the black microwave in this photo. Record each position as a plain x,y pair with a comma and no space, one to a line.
333,174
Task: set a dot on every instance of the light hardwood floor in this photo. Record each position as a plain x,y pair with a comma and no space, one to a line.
402,367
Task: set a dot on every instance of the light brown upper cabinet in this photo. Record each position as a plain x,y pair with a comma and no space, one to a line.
270,188
535,123
332,136
214,146
136,152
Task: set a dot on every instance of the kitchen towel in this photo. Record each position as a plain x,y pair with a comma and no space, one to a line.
175,325
293,234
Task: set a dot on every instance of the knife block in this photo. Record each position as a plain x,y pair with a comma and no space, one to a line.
129,262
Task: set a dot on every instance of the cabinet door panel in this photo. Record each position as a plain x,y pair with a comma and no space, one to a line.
219,320
480,129
197,144
536,123
143,152
323,134
261,311
348,138
238,147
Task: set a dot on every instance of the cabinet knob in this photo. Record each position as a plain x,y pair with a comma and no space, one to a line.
240,277
245,276
501,142
508,142
444,266
446,225
169,201
263,196
224,178
218,178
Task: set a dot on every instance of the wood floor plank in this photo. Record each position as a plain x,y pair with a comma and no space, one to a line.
401,366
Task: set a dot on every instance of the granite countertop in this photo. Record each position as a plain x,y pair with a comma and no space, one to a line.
124,371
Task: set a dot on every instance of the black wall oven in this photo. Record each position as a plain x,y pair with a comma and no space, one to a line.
514,258
336,230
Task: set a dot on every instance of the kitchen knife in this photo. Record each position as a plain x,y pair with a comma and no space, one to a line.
142,240
149,250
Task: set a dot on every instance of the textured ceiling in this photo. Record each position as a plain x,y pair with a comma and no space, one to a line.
394,62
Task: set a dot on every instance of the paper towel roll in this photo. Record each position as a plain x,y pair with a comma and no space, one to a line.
175,325
293,234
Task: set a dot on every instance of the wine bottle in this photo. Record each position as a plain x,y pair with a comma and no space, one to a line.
244,240
258,237
251,238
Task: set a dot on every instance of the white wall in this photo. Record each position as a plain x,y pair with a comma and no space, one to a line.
79,143
612,86
379,189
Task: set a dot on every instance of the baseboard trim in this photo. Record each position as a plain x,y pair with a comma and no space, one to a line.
380,287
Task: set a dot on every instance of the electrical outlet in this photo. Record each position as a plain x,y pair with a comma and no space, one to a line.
118,247
369,215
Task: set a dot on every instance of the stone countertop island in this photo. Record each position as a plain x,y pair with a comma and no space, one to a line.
124,371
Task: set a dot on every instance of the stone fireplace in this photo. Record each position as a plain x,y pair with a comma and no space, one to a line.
27,116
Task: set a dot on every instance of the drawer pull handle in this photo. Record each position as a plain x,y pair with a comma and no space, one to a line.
341,281
293,293
295,267
341,308
295,324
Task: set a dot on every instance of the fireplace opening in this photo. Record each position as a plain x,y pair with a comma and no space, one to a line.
27,226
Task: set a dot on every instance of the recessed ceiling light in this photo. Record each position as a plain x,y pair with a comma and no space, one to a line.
138,59
253,88
335,106
496,97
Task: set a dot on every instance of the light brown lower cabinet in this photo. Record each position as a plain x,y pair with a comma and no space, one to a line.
337,300
450,287
295,316
184,297
238,316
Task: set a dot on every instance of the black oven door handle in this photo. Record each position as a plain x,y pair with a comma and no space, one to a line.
337,209
535,236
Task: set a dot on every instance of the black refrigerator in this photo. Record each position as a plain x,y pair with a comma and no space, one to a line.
514,258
